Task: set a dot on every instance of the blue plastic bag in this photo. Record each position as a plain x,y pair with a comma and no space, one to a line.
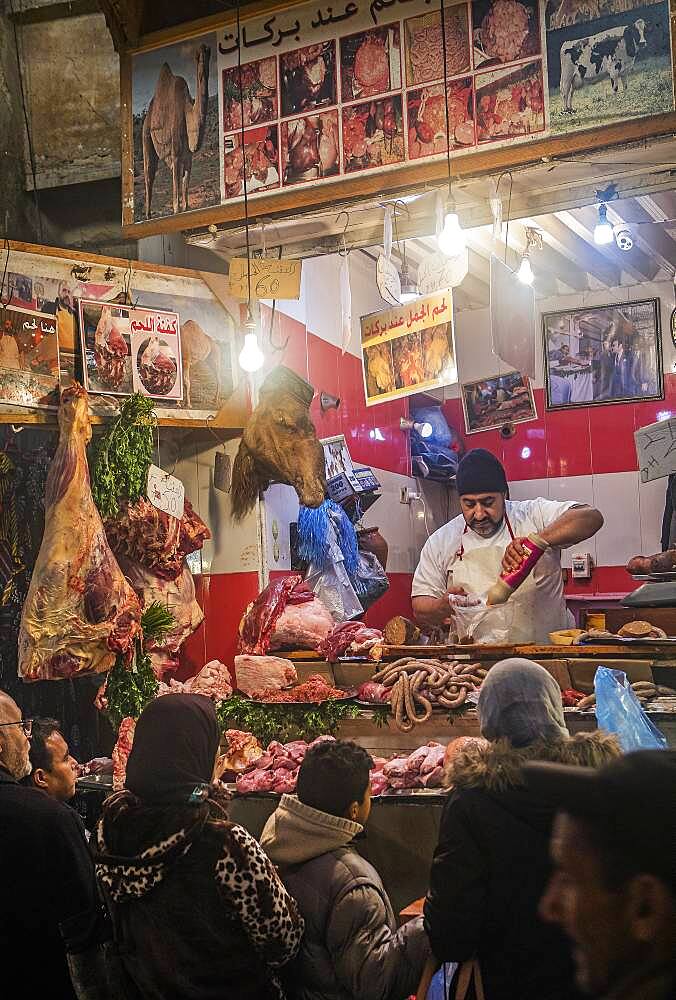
619,711
441,981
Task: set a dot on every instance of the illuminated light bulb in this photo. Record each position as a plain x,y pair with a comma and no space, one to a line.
409,291
251,358
525,452
603,231
525,272
424,429
451,239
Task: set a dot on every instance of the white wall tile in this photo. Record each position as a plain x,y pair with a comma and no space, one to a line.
651,499
616,496
529,489
281,508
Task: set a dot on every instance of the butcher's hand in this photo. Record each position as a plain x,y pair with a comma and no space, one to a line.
434,611
514,556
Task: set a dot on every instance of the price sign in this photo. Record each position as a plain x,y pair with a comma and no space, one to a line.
165,492
388,281
656,450
270,279
436,272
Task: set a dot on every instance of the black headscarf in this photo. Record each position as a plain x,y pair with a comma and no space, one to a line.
174,749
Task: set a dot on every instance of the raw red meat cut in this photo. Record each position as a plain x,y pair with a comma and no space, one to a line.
315,689
110,348
374,692
349,638
213,681
121,751
277,770
256,673
260,618
157,370
80,611
302,626
423,768
179,597
157,540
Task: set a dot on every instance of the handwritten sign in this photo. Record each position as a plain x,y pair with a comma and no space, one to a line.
656,450
165,492
388,281
436,272
409,348
270,279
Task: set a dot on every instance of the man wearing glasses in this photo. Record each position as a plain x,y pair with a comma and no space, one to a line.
49,905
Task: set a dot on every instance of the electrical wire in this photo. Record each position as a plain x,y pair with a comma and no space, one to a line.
246,191
448,122
29,134
421,498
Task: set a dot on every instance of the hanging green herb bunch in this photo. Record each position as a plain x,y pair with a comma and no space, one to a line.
283,722
130,689
122,456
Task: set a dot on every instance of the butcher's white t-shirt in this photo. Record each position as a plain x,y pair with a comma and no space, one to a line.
441,550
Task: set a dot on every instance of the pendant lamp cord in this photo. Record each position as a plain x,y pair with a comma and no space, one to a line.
448,121
246,192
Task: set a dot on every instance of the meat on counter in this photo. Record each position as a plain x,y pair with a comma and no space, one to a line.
258,673
286,613
277,769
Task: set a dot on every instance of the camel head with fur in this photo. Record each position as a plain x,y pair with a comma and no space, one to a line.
279,445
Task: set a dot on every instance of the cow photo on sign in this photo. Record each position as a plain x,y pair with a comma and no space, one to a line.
608,60
175,129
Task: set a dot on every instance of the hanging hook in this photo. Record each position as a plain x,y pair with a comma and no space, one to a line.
212,416
344,252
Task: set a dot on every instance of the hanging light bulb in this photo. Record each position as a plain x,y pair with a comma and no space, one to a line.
451,239
525,272
409,291
251,358
603,231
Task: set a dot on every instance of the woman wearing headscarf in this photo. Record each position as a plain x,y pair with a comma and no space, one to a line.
198,910
491,864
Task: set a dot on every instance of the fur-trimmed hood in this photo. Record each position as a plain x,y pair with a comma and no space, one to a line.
496,767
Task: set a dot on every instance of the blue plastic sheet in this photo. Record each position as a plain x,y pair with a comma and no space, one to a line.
619,711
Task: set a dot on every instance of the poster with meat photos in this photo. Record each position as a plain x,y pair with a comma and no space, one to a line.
423,45
408,348
310,148
510,102
504,31
156,353
259,93
29,358
426,111
373,134
496,401
370,63
260,161
607,60
308,78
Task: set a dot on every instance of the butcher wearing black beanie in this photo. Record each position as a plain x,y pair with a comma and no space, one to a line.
480,472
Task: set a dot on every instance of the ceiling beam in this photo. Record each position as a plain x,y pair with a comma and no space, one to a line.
636,263
482,241
124,18
666,202
558,235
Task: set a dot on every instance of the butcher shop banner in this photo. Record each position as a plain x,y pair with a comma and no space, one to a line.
127,350
29,358
333,92
409,348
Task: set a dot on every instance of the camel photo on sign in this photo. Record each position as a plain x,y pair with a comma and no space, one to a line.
175,129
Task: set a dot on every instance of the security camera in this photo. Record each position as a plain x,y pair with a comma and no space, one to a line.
507,431
624,239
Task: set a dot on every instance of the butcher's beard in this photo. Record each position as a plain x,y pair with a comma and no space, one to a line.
487,528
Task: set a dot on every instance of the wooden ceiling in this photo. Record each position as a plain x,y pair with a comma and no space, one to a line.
128,20
557,198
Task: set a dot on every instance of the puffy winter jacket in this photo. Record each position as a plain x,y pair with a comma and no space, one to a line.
491,866
352,949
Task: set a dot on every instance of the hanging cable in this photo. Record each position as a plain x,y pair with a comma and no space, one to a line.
448,118
246,190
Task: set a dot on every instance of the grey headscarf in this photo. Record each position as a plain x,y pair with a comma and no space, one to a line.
520,701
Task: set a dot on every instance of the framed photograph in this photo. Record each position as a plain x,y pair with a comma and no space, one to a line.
606,354
490,403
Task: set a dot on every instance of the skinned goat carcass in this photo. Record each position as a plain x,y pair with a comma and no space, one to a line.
110,349
157,540
80,611
279,445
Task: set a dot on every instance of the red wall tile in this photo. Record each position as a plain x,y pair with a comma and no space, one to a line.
605,580
568,442
396,601
612,438
223,598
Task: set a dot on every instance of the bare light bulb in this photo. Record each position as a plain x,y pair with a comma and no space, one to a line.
409,291
451,239
603,231
251,358
525,272
424,429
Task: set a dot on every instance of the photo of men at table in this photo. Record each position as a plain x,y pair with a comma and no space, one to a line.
603,354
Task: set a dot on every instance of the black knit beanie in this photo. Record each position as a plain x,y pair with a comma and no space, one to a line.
480,472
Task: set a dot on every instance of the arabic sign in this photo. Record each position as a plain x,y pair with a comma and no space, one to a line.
165,492
329,92
270,279
127,350
29,358
408,349
436,272
656,450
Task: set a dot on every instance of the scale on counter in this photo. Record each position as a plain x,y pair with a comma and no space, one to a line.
658,591
346,482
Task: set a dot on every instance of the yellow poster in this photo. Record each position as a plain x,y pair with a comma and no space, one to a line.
409,348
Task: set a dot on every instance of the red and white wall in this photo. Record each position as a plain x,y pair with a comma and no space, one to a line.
585,454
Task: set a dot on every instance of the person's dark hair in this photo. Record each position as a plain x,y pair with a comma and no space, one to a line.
40,754
618,858
334,774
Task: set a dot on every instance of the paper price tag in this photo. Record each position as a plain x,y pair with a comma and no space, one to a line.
165,492
387,279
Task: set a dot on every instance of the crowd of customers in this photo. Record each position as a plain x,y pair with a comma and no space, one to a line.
554,876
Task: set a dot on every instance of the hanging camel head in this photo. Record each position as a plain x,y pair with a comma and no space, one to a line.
279,445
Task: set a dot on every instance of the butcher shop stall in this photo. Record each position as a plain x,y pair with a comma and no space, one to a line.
410,238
